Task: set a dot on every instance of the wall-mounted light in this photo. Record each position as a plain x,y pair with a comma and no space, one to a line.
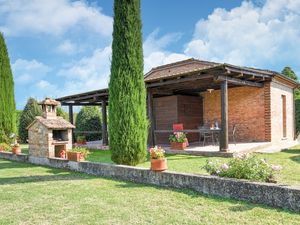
209,90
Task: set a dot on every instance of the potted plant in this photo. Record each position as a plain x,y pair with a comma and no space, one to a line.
77,154
16,149
4,147
81,140
178,140
157,159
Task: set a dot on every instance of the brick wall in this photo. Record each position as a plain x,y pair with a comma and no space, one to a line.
246,109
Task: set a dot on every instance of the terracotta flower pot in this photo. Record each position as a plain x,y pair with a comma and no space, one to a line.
178,145
16,150
159,164
62,154
75,156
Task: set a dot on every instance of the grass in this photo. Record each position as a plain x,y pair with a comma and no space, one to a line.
39,195
289,159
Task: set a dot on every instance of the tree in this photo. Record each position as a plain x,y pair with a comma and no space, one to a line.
89,119
7,95
127,95
60,112
31,110
288,72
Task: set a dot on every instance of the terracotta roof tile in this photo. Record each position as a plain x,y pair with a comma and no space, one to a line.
177,68
57,123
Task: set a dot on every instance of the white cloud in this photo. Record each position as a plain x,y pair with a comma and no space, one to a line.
67,47
250,35
89,73
26,71
54,17
155,52
154,43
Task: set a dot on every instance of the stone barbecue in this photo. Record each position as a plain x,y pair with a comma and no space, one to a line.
49,134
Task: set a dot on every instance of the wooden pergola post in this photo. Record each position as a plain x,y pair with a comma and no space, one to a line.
71,120
224,117
150,117
104,123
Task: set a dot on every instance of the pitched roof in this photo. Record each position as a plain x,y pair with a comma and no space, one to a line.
192,65
177,68
49,101
55,123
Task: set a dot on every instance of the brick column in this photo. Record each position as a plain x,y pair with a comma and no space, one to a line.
267,116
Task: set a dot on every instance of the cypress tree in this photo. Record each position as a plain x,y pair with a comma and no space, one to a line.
31,110
127,95
7,96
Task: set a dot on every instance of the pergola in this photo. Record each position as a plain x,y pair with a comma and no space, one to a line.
92,98
192,81
165,80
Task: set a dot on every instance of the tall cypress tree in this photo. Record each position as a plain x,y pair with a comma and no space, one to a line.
127,95
7,96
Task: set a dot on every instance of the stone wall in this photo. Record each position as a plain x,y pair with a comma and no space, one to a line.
245,110
264,193
39,137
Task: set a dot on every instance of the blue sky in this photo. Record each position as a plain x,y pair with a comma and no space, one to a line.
62,47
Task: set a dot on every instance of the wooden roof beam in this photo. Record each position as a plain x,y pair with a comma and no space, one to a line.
176,81
247,72
238,81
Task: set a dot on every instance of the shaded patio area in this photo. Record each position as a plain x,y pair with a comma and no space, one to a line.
213,150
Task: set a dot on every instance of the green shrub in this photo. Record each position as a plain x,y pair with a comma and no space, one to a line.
31,110
81,138
81,150
89,119
243,166
4,147
60,112
178,137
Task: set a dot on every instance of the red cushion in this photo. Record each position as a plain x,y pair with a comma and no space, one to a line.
177,126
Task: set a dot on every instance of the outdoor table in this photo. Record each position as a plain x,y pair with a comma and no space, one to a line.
199,131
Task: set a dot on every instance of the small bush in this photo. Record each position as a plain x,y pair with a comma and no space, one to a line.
243,166
178,137
81,138
4,147
81,150
157,153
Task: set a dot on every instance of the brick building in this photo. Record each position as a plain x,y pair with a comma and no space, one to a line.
259,103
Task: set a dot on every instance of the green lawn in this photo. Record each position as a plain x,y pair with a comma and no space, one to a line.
288,159
39,195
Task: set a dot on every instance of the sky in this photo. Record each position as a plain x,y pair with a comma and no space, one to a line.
63,47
